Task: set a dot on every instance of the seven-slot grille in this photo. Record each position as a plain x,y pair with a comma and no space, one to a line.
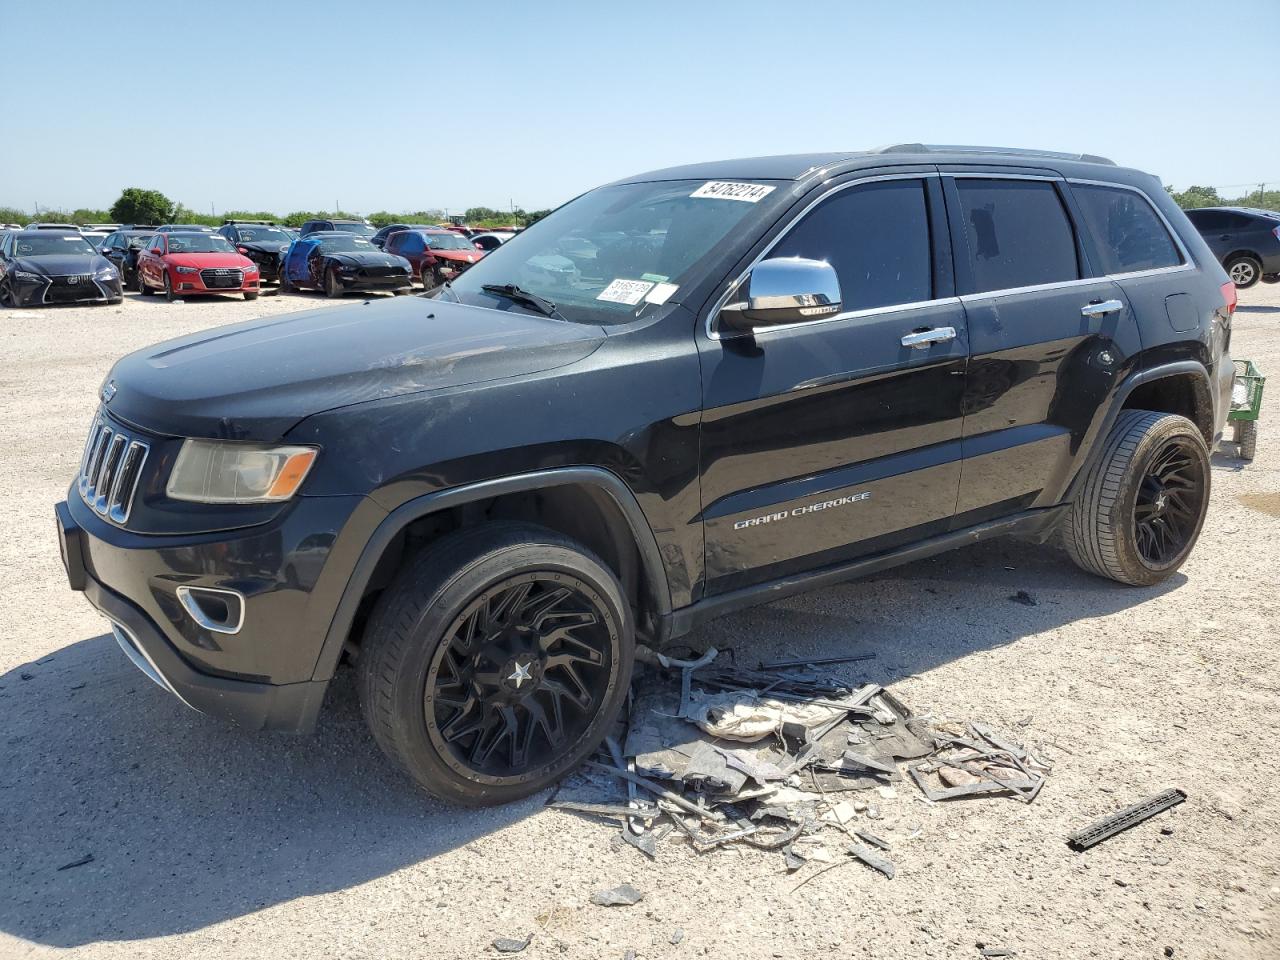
111,469
231,278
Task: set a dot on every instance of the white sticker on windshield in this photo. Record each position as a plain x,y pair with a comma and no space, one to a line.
727,190
660,293
625,291
72,239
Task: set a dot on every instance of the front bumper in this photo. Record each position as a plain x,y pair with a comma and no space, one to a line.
193,284
359,281
59,290
262,675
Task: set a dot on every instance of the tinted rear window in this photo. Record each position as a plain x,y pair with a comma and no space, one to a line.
877,238
1018,233
1127,232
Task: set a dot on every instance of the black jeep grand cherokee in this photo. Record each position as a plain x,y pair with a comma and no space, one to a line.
675,396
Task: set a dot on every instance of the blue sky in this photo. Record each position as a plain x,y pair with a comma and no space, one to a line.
299,104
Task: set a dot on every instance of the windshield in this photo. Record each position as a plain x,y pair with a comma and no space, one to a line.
362,229
344,244
199,243
447,241
140,241
260,234
51,244
603,256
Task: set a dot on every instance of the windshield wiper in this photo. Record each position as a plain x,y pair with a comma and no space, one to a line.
516,294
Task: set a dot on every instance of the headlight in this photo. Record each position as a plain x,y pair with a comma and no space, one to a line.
107,273
251,268
187,269
212,471
24,275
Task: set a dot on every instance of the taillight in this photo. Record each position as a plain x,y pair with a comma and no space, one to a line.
1229,296
1276,231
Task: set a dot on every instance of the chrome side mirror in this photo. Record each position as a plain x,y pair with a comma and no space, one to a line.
784,290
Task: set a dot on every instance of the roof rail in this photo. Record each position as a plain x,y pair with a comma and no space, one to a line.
1007,151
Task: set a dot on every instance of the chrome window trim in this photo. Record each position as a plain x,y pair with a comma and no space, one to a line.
195,613
714,313
1032,288
980,175
1188,262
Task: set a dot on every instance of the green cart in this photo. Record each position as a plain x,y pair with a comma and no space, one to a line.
1246,405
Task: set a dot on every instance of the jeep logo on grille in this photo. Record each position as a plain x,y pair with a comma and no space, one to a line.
108,391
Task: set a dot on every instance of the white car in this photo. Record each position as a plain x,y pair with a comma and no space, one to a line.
488,242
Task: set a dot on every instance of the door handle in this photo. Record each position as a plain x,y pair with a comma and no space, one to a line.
1225,236
1101,309
924,338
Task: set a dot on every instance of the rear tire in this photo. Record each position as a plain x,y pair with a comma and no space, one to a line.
1244,270
1271,278
496,662
1246,432
1142,504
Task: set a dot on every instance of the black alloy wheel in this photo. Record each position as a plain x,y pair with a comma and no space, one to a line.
1170,503
520,675
496,661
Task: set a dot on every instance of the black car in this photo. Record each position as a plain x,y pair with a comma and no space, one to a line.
183,228
263,243
360,228
379,239
121,248
340,263
1246,241
676,396
54,266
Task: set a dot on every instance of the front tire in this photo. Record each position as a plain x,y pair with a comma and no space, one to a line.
1142,504
496,662
168,288
251,294
1244,271
332,285
143,289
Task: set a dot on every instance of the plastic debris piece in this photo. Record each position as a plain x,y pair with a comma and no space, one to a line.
510,945
1121,820
873,859
623,895
1024,598
87,858
872,839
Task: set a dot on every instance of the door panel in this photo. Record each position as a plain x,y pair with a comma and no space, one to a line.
827,442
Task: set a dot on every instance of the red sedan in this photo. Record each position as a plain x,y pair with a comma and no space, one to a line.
434,255
191,264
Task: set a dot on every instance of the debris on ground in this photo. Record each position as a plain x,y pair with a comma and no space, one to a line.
510,945
1110,825
623,895
87,858
1024,598
771,758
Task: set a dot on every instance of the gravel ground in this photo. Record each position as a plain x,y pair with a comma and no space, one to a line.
210,842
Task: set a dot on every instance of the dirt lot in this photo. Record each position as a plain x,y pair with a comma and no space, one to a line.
210,842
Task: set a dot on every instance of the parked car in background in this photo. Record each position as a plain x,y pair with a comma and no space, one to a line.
434,255
338,263
184,228
488,242
379,239
54,266
361,228
195,264
122,249
1245,240
95,237
53,226
262,242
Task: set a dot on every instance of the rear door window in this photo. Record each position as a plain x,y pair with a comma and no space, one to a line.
1127,232
1017,232
876,235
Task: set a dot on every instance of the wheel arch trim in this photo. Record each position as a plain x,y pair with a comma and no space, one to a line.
398,519
1164,371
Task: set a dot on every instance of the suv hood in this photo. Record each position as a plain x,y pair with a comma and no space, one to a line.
256,380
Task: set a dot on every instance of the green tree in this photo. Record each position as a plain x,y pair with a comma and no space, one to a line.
1194,197
86,215
137,205
534,216
13,215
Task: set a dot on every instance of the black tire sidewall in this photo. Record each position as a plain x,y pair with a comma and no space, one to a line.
443,601
1126,544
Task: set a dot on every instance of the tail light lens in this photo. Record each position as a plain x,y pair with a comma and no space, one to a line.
1229,297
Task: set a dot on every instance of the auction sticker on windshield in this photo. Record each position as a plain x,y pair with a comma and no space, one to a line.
625,291
726,190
